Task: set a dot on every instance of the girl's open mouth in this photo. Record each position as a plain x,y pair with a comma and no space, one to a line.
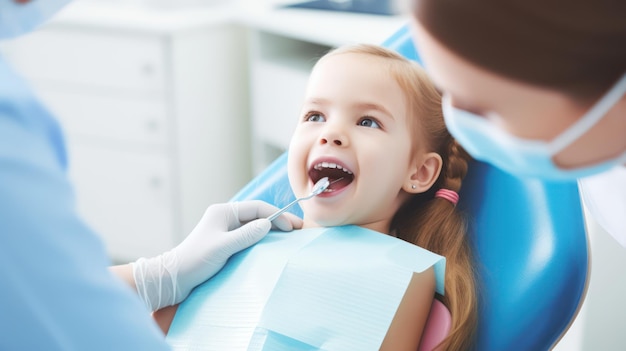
338,175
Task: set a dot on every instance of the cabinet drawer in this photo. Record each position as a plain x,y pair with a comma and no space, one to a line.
111,118
126,197
90,58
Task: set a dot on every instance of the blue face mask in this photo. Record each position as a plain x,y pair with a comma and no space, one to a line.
16,19
532,158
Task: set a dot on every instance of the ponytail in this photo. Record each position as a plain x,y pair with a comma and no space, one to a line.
434,223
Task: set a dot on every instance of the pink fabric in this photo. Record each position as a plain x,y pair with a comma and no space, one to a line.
448,194
437,326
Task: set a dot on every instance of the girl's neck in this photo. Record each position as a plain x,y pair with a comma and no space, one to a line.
380,227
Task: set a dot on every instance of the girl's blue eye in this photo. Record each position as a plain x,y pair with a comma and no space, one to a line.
368,122
315,117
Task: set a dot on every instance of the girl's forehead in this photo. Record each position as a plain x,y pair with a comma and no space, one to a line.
358,79
350,72
350,58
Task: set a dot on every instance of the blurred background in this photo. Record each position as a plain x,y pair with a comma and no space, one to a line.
169,106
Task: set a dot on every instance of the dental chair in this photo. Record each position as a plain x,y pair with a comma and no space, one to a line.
530,245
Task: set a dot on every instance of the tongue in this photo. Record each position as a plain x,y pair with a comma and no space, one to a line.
339,183
337,177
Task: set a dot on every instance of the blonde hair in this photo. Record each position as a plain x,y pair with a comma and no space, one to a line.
425,220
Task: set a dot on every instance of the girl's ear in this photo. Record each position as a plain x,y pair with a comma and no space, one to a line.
423,173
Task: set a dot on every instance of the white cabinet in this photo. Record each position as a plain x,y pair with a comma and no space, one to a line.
279,71
283,47
128,196
154,108
94,58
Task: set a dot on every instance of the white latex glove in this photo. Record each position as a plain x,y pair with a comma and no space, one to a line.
224,230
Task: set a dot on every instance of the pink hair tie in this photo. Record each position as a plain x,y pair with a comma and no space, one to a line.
449,195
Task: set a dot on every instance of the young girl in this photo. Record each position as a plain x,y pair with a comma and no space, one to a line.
372,123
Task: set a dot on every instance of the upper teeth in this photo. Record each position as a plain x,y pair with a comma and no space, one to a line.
321,165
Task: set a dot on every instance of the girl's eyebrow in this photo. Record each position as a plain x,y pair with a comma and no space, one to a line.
317,101
374,106
358,105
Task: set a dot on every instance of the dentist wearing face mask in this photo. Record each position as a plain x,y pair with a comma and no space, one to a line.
57,292
536,88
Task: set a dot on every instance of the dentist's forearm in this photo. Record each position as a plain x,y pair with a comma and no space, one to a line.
125,272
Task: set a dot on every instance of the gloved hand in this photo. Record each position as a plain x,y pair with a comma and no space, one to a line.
224,230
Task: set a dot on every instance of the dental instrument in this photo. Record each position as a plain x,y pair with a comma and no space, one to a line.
318,188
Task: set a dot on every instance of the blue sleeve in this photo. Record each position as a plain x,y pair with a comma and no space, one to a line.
56,292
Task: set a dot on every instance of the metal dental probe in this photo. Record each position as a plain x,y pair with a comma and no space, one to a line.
318,188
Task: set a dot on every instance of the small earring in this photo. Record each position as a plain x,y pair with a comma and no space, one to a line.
413,186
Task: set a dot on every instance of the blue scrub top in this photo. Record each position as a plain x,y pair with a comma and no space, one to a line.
56,292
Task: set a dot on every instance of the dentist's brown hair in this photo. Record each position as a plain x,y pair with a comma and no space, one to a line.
577,47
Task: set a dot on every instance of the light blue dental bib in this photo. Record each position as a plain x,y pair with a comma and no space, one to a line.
313,289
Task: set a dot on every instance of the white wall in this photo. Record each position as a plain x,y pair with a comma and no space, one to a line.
605,315
601,323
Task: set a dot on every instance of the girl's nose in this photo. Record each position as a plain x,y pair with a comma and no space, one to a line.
334,137
337,142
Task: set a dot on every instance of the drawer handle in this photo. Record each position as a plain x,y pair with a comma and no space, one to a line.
152,125
148,69
156,182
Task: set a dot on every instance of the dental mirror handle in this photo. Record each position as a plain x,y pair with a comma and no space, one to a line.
318,188
282,210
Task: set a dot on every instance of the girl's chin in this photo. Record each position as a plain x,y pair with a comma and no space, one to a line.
317,222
